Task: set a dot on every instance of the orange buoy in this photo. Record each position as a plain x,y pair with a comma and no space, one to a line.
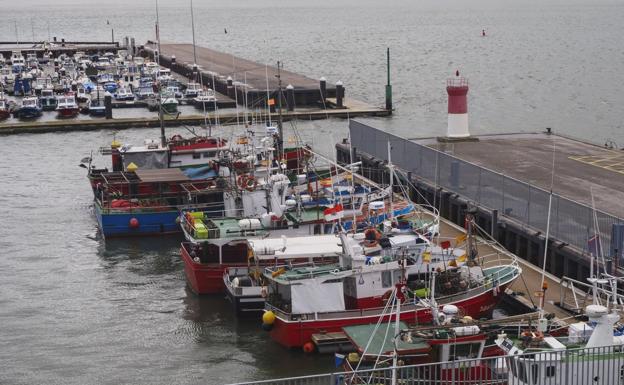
134,223
308,347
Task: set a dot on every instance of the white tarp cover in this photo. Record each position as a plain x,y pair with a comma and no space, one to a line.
317,298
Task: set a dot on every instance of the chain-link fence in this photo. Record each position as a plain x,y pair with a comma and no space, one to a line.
571,222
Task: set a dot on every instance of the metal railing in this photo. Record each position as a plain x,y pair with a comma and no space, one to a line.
571,221
599,366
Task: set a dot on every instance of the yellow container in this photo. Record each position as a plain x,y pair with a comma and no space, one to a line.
201,232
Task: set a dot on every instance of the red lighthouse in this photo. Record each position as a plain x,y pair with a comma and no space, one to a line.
457,89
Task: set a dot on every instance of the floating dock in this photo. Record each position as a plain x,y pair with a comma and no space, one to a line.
506,178
306,99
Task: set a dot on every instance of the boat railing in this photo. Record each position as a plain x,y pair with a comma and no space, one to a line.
601,365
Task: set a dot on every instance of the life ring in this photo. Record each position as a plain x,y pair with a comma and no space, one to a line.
176,138
247,182
251,183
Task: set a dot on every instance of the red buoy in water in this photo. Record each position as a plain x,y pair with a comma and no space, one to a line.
134,223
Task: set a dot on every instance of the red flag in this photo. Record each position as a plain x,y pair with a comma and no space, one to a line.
445,244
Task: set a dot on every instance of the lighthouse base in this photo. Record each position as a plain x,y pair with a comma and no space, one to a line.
454,139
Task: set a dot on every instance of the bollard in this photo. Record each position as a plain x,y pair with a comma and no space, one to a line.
230,87
108,105
339,94
173,60
323,87
290,97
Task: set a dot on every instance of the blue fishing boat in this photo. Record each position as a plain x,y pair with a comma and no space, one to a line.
30,108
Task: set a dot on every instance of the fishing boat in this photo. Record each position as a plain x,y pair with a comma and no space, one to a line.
192,89
123,94
591,353
30,108
48,99
67,106
206,263
4,108
305,301
205,100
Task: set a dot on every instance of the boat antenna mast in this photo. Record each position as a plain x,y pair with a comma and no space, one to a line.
544,285
280,140
161,118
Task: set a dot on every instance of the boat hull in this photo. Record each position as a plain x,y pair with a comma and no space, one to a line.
28,113
204,278
117,223
296,333
68,112
4,114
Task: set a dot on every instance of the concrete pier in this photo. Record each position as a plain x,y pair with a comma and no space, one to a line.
507,179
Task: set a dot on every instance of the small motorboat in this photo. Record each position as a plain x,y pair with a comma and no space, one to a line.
30,108
97,107
205,99
192,89
48,99
169,104
4,108
174,91
82,94
67,106
123,94
145,92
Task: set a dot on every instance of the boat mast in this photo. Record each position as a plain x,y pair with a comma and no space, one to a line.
196,69
163,138
391,167
280,141
266,75
544,286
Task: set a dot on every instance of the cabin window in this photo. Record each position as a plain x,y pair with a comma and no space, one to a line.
196,156
550,371
209,154
464,351
386,278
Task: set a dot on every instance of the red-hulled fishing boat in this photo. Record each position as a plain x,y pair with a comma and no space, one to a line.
306,301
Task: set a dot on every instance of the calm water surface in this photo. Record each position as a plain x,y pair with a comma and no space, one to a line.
77,310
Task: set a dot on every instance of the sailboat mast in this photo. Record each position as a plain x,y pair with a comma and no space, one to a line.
163,138
193,27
